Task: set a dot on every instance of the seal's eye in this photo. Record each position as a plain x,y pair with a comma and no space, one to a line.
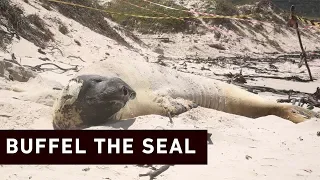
97,80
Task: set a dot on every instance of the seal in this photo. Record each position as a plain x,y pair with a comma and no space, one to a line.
96,95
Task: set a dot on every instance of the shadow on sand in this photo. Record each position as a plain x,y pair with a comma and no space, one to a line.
123,124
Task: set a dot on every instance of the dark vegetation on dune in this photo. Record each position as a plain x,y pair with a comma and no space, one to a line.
187,25
95,20
34,29
16,24
261,10
145,25
307,8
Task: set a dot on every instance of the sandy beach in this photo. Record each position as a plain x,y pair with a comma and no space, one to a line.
243,148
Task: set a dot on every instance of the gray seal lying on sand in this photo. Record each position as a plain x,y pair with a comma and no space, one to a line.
114,90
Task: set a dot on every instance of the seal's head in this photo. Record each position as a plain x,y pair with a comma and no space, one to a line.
90,100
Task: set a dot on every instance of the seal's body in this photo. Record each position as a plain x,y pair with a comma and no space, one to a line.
158,90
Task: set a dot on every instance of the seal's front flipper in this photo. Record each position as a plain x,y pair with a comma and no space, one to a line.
175,106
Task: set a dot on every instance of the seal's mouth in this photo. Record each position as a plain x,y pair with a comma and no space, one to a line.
117,103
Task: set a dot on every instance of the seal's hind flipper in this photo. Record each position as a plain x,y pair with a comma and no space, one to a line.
297,114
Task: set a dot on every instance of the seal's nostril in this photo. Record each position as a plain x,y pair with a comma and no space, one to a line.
125,91
133,95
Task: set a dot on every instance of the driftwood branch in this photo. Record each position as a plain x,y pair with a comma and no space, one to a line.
312,100
5,115
268,89
239,78
293,22
38,67
44,59
77,57
12,61
56,48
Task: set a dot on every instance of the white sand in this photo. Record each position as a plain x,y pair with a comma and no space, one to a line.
279,148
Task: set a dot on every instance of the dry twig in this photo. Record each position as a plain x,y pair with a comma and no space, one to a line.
157,172
76,57
38,67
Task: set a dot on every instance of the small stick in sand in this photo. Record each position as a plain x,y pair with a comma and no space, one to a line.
209,138
170,118
77,57
157,172
293,22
